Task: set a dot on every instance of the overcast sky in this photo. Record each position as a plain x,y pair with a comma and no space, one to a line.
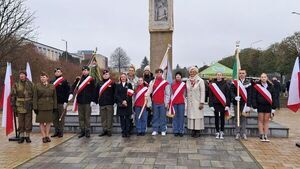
204,30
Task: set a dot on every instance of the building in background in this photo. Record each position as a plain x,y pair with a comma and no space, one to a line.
52,53
88,54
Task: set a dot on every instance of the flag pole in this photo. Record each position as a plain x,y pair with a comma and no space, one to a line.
16,130
238,86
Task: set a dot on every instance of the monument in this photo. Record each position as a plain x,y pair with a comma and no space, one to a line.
161,30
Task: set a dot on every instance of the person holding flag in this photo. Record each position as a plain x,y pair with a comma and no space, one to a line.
160,90
106,93
62,91
219,102
85,97
123,97
195,102
245,90
44,104
177,104
141,114
21,101
263,96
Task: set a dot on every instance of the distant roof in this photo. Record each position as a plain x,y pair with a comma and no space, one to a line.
213,69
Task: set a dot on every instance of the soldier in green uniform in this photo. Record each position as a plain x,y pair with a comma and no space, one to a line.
44,104
21,100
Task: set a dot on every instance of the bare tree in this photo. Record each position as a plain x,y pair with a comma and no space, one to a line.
119,59
15,25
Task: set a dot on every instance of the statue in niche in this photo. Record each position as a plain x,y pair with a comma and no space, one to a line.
160,10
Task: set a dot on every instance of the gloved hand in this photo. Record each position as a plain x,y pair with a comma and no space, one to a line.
226,108
92,104
65,105
237,98
273,111
212,109
201,106
247,109
36,111
255,110
70,97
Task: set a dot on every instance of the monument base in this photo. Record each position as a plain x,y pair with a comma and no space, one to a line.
158,45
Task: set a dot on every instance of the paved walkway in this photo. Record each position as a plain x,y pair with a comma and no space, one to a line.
280,152
145,152
13,154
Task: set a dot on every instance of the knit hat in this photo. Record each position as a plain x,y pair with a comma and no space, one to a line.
147,68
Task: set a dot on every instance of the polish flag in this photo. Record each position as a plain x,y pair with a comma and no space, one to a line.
28,71
7,114
294,92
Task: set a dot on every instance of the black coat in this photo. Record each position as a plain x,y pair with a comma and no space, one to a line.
148,78
120,96
108,96
213,100
259,100
62,91
88,94
233,93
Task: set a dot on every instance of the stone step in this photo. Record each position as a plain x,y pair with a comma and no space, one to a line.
276,130
207,120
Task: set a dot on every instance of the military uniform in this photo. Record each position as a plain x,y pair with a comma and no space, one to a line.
62,92
21,100
44,102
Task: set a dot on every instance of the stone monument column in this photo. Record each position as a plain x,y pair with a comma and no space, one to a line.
161,30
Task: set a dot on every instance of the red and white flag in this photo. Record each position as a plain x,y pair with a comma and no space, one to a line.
28,71
7,115
294,92
130,92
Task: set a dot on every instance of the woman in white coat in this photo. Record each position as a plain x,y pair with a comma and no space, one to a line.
195,102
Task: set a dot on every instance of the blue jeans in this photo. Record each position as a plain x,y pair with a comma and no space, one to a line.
178,120
141,123
159,121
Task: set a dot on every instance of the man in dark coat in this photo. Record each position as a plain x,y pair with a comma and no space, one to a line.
277,89
62,92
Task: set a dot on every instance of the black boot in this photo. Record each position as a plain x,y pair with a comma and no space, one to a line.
21,140
193,133
82,134
56,133
27,139
60,134
87,134
104,133
109,133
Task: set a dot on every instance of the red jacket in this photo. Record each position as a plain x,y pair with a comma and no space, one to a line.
179,99
159,96
141,100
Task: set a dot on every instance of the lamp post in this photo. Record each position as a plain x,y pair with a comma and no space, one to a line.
66,49
296,13
251,44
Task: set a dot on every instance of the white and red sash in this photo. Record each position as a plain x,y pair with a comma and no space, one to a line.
80,88
264,92
130,92
220,96
242,90
58,81
175,95
161,84
140,94
105,86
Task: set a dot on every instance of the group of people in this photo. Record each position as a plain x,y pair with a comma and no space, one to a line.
136,99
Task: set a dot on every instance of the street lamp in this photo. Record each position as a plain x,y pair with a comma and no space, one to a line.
66,49
251,44
296,13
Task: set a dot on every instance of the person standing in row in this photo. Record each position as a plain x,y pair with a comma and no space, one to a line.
177,104
139,103
263,103
44,105
148,77
21,101
245,90
219,102
123,96
106,100
195,102
160,90
62,91
85,97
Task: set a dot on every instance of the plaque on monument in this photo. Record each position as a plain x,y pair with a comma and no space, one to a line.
160,15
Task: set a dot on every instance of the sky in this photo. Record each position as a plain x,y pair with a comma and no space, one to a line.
205,31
